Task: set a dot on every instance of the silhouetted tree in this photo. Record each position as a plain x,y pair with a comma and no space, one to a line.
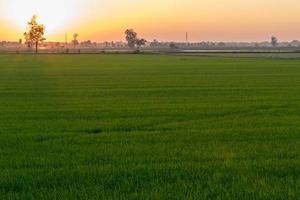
274,41
221,44
173,46
75,41
140,42
87,43
133,40
131,37
35,33
154,43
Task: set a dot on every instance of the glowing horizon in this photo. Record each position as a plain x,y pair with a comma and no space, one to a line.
205,20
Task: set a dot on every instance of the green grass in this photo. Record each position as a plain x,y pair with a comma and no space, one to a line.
149,127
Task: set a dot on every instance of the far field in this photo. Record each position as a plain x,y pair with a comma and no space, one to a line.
149,127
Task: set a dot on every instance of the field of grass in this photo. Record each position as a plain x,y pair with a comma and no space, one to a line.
149,127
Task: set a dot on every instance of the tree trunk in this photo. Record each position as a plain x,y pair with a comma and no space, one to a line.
36,47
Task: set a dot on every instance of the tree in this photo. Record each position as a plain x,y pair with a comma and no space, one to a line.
131,37
140,42
35,33
274,41
133,40
173,46
75,41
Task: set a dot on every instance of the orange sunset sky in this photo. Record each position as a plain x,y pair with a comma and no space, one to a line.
165,20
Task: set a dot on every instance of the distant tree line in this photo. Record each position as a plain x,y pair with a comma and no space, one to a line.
35,35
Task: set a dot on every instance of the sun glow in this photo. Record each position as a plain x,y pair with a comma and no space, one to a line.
54,14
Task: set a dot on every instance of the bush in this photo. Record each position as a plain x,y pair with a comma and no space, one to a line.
137,51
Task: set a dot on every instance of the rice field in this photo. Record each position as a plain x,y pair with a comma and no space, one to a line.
149,127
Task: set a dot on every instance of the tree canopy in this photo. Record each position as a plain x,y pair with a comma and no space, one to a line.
75,41
274,41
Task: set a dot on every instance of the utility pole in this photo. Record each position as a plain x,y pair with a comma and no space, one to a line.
186,38
66,42
66,38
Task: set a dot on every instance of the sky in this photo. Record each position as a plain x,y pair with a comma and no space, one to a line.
164,20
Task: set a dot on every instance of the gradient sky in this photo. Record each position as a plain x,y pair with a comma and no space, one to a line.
165,20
